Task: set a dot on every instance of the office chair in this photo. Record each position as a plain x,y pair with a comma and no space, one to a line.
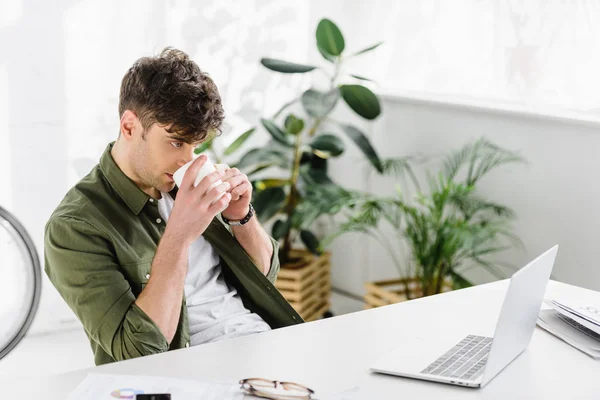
20,282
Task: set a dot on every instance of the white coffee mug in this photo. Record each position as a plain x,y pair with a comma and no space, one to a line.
206,169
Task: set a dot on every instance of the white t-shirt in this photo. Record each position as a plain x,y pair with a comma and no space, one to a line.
215,310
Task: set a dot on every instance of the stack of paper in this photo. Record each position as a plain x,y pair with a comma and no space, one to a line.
578,324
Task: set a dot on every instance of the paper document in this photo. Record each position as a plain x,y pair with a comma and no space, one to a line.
584,311
568,330
569,310
111,387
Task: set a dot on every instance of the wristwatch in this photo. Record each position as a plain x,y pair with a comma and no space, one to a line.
242,221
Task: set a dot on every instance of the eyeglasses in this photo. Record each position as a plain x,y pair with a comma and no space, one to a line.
276,390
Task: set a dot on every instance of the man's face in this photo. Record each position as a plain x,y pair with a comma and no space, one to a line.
156,157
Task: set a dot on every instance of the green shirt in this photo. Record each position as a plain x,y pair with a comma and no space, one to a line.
99,245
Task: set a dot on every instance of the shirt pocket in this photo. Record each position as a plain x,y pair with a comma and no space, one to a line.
138,275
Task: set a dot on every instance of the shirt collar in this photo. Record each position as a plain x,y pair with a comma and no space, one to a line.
132,195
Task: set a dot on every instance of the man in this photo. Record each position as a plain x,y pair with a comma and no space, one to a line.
148,267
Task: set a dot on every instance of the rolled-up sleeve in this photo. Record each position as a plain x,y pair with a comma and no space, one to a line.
80,264
272,275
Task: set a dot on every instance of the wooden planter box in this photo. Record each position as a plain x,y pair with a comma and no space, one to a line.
306,284
383,293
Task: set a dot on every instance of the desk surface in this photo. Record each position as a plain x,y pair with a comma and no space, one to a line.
335,354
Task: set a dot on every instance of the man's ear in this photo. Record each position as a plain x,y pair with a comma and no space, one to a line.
129,123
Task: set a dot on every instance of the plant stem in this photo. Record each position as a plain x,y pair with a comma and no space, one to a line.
314,128
338,62
440,279
293,197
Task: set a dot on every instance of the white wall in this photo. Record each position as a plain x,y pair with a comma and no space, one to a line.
533,52
555,196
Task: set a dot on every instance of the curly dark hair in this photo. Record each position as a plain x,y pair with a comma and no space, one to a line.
170,89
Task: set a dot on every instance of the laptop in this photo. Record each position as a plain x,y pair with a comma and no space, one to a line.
467,359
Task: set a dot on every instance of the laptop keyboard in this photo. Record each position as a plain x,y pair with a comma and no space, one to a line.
464,361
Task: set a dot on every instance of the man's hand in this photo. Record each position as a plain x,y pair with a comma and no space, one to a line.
193,211
252,237
196,207
241,194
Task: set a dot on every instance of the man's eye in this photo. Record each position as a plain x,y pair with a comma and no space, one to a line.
176,144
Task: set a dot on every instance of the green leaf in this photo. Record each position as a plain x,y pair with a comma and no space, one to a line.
277,133
285,66
361,100
304,215
310,241
293,125
329,38
268,202
399,167
314,176
362,78
363,143
262,157
478,159
263,184
238,142
260,167
326,55
318,163
280,229
202,147
319,104
373,47
330,144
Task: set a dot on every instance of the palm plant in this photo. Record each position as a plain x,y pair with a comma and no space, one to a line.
447,231
289,174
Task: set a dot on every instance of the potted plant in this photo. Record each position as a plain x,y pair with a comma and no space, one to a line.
447,230
289,174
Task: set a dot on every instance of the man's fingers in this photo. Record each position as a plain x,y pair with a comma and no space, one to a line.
190,175
220,204
240,190
235,181
222,167
208,181
231,172
215,193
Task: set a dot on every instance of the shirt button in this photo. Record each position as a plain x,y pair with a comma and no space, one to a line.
147,276
158,220
187,345
151,200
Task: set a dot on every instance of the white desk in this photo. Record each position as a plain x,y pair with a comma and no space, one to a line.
334,354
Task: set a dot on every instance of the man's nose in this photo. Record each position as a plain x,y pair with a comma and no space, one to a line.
189,156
